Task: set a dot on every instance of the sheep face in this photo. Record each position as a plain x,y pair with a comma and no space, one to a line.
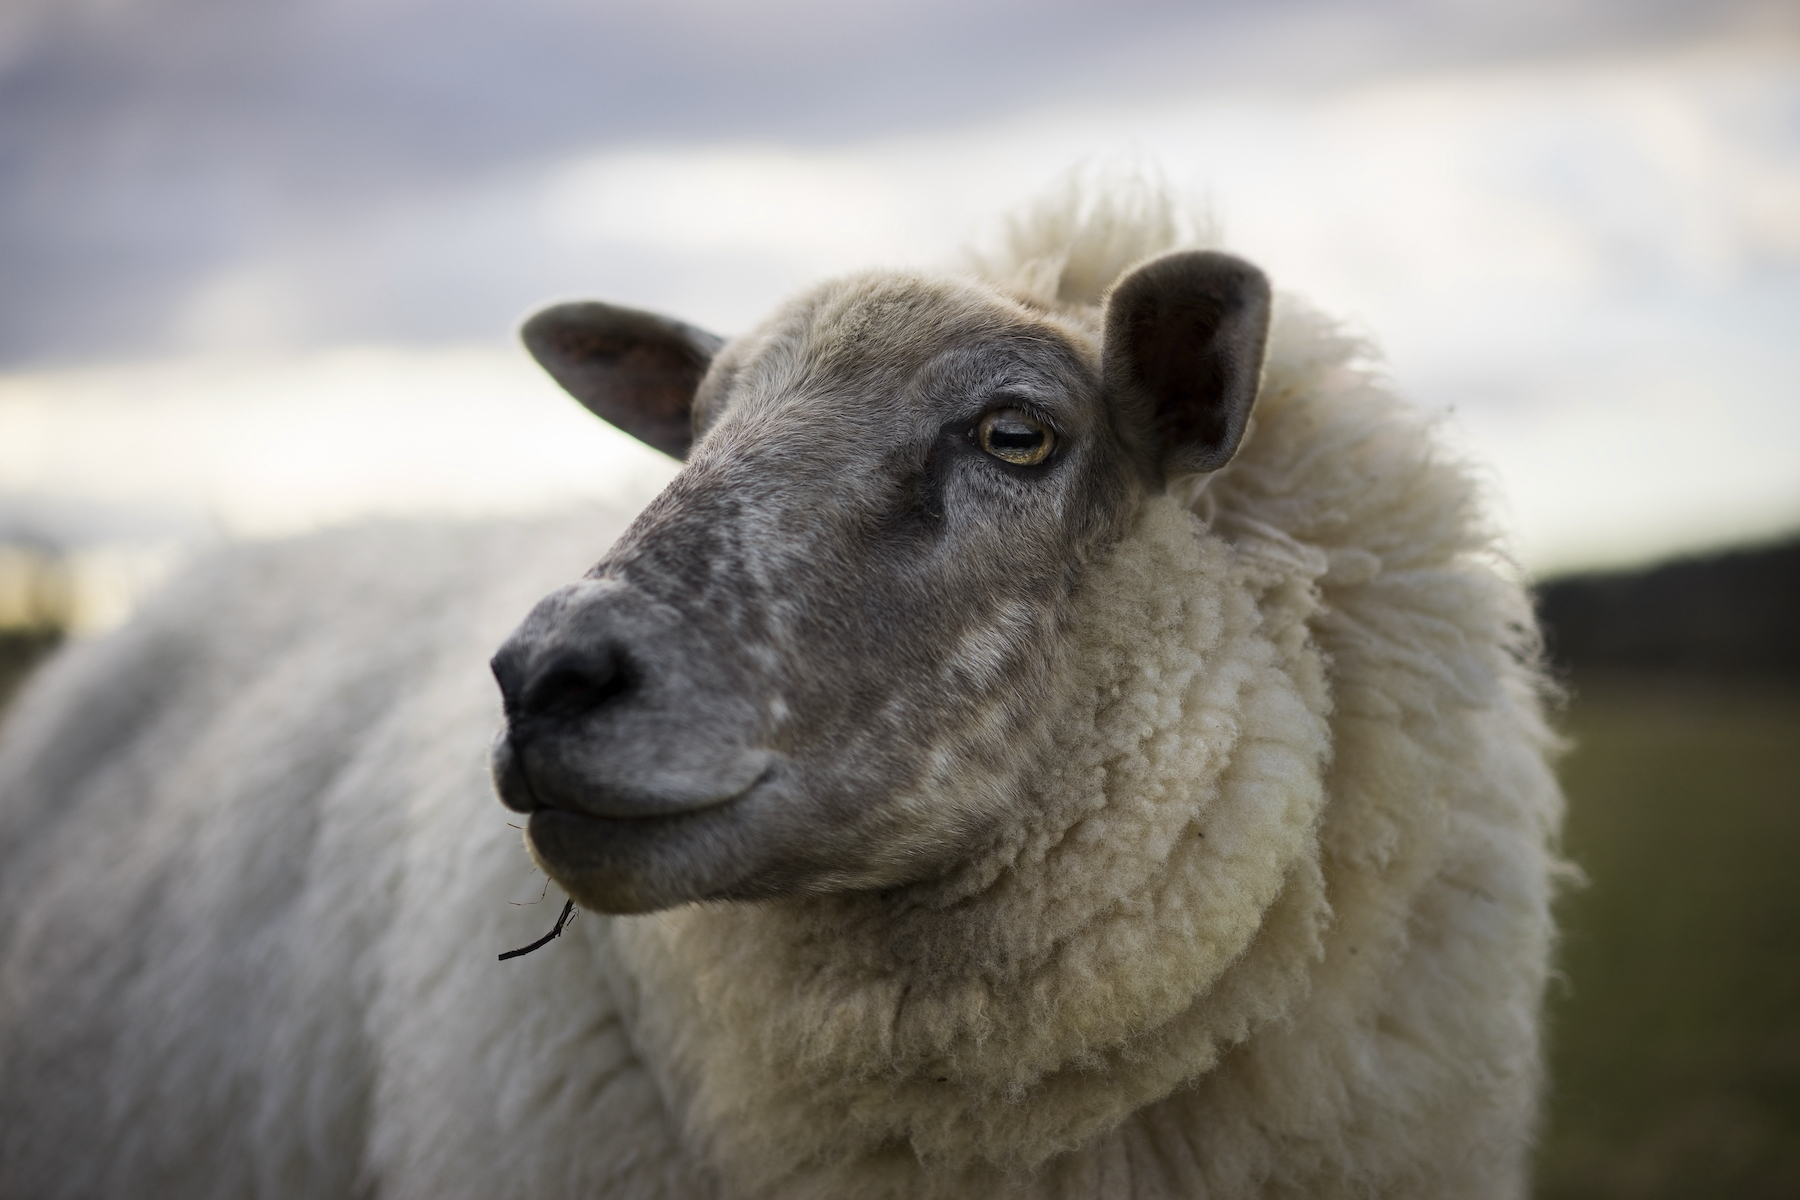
828,655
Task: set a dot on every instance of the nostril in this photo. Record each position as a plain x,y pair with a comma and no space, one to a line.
574,685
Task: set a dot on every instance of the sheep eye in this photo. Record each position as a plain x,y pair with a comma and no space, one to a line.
1015,436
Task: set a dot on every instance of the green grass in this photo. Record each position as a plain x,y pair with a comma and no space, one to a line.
1675,1034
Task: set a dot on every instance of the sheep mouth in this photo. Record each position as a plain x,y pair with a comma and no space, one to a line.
547,773
639,864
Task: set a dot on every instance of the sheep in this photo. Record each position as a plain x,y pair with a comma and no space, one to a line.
1003,762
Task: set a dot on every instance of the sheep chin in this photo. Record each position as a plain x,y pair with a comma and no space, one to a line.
745,847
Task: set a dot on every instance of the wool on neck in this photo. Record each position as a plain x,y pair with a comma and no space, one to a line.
1162,902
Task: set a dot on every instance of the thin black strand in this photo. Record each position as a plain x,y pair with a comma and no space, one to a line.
567,912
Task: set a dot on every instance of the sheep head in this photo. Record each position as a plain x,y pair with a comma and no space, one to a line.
828,656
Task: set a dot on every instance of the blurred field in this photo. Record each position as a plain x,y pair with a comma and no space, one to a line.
1676,1031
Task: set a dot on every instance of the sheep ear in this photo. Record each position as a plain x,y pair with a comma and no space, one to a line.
635,369
1183,356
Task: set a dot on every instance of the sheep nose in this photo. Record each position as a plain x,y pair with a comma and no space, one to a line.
561,687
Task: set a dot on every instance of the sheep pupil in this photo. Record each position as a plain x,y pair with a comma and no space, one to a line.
1015,438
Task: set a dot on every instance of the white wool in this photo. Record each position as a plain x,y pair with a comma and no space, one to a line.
1067,249
1279,926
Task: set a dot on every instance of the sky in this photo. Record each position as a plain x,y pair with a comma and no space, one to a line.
260,264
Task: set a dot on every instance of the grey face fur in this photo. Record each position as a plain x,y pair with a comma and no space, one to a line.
828,655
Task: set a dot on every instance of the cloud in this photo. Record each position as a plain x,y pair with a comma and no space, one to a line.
1590,262
146,144
277,443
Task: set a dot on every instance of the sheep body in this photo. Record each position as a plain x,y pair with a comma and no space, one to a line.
1278,925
